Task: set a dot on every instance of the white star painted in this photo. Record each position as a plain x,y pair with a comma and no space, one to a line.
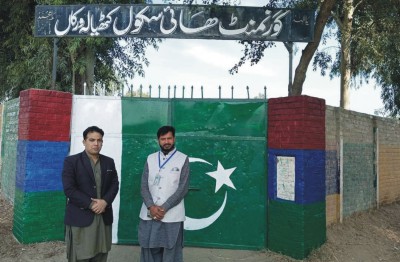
222,177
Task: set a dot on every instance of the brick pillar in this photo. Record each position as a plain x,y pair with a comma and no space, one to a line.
296,175
43,143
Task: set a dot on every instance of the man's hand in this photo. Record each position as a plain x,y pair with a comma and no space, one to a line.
98,206
157,212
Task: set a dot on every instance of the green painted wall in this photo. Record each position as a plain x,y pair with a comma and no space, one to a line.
295,230
9,148
38,216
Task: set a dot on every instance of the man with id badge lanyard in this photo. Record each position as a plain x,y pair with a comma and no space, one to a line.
165,182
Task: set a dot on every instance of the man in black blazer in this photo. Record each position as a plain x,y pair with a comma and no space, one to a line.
90,184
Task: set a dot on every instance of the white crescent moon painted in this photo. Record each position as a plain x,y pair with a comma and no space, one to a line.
197,224
193,159
200,223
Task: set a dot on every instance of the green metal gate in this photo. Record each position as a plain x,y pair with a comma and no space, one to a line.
226,143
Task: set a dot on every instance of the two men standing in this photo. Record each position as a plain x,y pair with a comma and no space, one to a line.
91,184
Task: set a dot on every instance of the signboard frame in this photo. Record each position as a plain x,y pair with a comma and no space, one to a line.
175,21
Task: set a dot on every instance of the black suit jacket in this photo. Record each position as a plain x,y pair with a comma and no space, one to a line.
80,186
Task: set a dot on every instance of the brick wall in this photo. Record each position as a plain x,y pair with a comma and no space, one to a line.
388,139
9,148
296,133
332,171
38,125
359,177
43,143
370,162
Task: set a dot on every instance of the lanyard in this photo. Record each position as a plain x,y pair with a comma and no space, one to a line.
159,160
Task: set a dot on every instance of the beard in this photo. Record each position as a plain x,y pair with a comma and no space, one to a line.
166,148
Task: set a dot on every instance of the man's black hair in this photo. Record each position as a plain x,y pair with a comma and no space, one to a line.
164,130
91,129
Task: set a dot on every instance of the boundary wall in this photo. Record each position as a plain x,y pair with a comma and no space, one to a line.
36,135
336,163
362,162
296,175
9,140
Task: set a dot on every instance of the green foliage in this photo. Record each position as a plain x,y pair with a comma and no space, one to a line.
14,62
204,2
375,48
254,50
387,73
26,61
378,49
136,93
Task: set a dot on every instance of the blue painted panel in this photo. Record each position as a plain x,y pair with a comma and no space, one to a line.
309,175
40,165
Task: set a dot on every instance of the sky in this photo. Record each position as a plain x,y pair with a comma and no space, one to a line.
188,62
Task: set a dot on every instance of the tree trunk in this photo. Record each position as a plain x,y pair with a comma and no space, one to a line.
345,61
73,87
87,77
308,52
89,74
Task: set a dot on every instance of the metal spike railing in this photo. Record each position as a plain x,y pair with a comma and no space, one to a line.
149,94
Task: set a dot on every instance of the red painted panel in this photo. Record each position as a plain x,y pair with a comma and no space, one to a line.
296,122
45,115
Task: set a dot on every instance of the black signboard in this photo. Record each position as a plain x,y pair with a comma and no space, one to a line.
175,21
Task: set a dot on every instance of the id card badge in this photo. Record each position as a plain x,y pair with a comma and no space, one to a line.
157,179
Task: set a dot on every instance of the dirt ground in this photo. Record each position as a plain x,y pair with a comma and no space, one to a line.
366,236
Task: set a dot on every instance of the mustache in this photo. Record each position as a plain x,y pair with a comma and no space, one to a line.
167,145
